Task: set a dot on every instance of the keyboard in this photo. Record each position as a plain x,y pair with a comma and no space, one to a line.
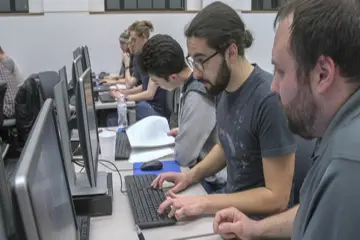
106,98
145,202
83,223
122,147
102,88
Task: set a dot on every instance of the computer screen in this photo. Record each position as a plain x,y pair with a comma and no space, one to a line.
87,125
76,52
6,208
2,229
41,185
64,134
63,80
86,56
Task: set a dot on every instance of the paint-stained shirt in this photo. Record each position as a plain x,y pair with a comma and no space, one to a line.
252,125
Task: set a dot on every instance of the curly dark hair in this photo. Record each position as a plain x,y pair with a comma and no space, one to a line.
161,56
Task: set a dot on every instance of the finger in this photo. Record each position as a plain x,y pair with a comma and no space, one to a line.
164,205
180,213
176,188
155,183
174,208
228,236
172,194
217,221
227,227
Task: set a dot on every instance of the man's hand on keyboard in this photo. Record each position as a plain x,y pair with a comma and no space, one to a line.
181,181
183,206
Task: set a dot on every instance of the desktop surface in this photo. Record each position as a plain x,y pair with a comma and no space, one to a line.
121,224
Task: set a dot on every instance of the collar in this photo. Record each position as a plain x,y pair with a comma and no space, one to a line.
188,81
347,112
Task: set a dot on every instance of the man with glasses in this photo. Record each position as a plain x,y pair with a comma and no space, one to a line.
256,144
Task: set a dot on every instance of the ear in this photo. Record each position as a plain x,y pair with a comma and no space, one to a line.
172,77
231,54
325,71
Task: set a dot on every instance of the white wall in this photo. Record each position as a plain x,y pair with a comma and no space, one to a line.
46,42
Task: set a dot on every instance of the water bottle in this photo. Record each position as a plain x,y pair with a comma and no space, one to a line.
122,112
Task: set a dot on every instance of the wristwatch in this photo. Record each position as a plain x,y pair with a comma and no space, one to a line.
126,68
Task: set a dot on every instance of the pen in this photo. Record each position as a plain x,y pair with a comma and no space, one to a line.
139,233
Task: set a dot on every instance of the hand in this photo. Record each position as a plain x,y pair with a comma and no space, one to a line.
183,206
116,93
231,223
126,59
181,181
104,81
173,132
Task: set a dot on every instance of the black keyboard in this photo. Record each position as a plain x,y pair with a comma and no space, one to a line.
102,88
122,147
106,98
83,223
145,202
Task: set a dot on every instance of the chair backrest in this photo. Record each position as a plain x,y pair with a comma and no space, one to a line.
48,80
3,87
303,163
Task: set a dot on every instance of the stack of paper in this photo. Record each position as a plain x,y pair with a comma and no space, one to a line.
149,140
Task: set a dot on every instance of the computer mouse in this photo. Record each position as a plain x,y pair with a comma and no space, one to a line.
154,165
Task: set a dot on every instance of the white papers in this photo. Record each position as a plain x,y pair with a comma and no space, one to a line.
150,132
147,155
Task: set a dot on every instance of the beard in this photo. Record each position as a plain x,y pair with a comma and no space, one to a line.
301,113
221,81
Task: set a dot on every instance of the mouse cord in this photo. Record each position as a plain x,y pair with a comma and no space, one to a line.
102,161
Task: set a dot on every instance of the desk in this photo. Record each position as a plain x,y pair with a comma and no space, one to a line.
111,105
121,224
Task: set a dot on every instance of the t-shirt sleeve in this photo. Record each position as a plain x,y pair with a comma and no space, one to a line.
337,211
273,132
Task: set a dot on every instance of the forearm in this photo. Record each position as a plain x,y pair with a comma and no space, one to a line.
129,80
134,90
211,164
278,226
255,202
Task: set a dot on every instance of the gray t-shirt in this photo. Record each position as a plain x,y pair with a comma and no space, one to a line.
252,125
330,197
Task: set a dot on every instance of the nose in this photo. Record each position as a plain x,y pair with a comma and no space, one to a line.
197,74
274,85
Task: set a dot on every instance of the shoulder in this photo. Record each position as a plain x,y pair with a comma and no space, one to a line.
345,143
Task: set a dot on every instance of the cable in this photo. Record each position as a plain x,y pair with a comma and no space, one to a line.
118,171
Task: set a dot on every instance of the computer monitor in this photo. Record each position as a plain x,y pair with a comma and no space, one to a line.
2,229
79,182
6,207
87,125
77,69
86,55
40,186
76,52
64,82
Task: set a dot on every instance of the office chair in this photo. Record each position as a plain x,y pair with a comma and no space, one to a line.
303,163
48,80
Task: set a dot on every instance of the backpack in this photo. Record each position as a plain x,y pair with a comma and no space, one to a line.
28,103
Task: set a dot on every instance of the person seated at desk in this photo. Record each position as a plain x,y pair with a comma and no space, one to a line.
163,59
12,88
11,65
127,57
256,144
319,86
151,100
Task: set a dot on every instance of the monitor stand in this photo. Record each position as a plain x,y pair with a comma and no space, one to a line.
82,186
95,201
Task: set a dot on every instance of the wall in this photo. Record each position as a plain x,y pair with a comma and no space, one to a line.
46,42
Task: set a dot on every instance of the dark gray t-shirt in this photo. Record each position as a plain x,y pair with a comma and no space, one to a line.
330,197
252,125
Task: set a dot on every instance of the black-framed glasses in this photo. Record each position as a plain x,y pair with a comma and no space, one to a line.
199,65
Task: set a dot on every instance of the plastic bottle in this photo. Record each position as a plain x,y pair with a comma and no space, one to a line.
122,112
